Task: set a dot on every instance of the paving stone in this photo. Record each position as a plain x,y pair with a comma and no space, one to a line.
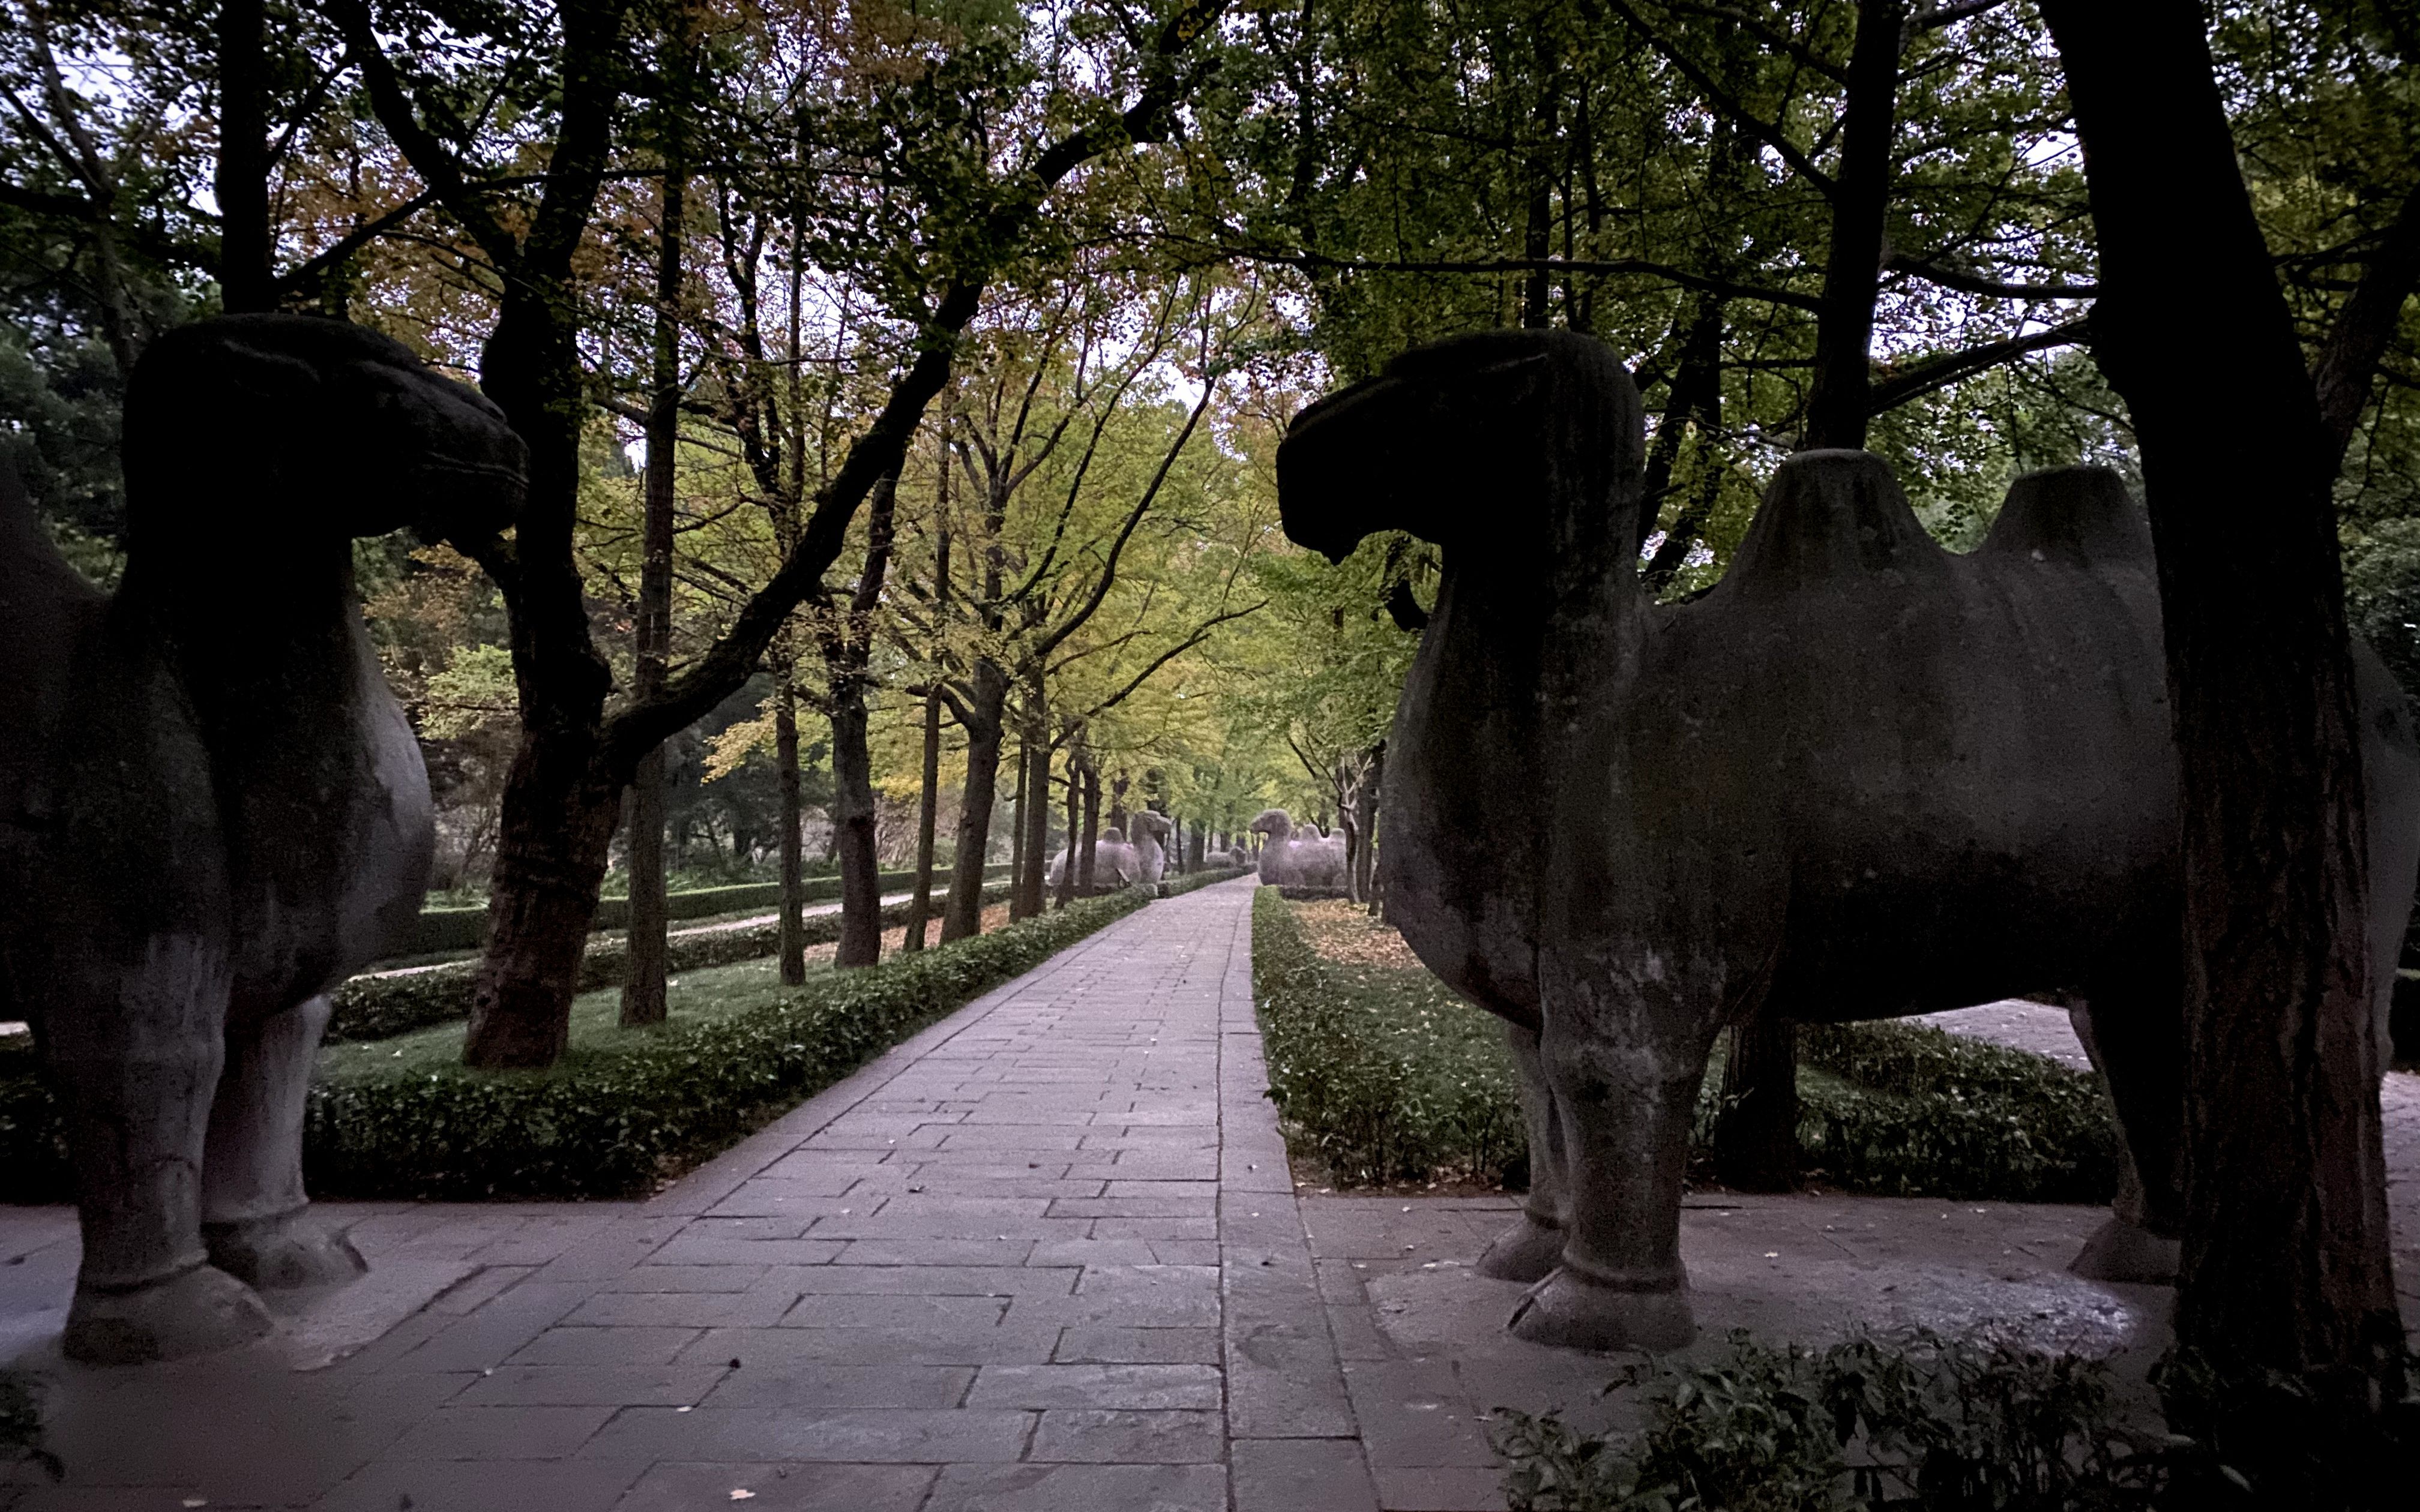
605,1346
1300,1475
676,1487
1436,1490
689,1250
682,1309
1096,1386
520,1432
1110,1345
896,1311
584,1385
1009,1344
493,1485
1413,1413
840,1387
1080,1488
889,1435
1118,1436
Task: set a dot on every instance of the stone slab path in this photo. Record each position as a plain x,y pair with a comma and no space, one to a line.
1045,1253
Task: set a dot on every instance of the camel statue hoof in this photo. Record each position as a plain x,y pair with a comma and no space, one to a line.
292,1249
195,1312
1527,1252
2123,1251
1571,1313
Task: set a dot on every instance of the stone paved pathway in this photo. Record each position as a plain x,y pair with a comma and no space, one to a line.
1045,1255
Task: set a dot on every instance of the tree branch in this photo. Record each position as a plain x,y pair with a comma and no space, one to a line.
1939,372
2348,359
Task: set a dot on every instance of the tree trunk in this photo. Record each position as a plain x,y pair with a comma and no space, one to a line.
555,832
1756,1138
2286,1259
962,916
1075,823
642,985
792,943
1091,829
1019,860
241,185
920,908
860,886
847,650
1366,820
1844,328
1037,825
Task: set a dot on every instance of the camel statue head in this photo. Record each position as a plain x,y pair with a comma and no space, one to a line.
327,425
1459,443
1148,822
1274,822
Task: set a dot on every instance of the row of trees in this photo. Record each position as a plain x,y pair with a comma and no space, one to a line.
957,336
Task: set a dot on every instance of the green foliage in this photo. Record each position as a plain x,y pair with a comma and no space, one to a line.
1179,887
1380,1074
1383,1075
616,1124
373,1008
1919,1112
33,1136
1914,1421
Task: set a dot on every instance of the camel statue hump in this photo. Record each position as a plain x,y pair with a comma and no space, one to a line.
2076,517
1832,515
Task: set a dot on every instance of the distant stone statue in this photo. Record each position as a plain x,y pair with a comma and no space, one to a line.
211,809
1862,778
1298,857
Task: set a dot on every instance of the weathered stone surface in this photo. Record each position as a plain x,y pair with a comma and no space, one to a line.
1861,777
172,918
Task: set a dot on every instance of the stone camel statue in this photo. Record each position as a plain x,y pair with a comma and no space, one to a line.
211,809
1862,778
1119,862
1298,858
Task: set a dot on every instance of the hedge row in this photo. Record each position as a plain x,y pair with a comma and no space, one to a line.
1193,882
1932,1114
1383,1075
604,1122
465,928
617,1123
381,1006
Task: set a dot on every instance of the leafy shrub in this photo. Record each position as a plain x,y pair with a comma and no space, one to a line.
1920,1421
1930,1114
1384,1074
21,1427
1381,1073
378,1007
611,1124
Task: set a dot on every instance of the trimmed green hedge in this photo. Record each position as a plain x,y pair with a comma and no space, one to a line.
466,929
617,1124
601,1123
1381,1073
378,1007
1925,1113
1384,1074
1179,887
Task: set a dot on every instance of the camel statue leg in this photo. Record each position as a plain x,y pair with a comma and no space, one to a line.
255,1216
2136,1041
1624,1100
138,1074
1531,1249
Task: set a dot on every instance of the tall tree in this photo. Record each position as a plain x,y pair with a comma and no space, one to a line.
563,798
2286,1262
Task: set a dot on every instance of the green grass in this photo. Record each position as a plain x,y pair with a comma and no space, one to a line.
1383,1076
693,997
